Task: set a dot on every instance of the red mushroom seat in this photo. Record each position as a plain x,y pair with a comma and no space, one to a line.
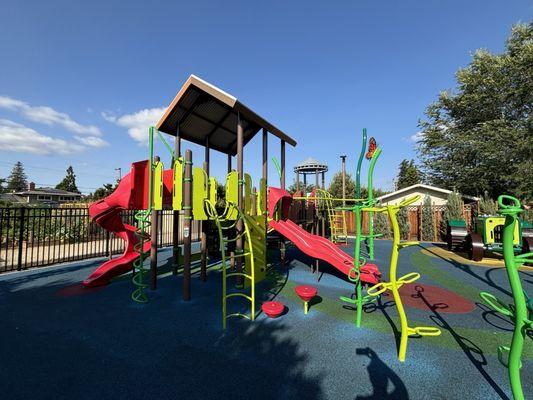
273,309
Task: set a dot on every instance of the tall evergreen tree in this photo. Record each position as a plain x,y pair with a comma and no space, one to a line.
428,229
2,185
335,186
408,174
480,136
69,182
17,180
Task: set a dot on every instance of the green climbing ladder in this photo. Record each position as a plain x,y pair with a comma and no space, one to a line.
226,222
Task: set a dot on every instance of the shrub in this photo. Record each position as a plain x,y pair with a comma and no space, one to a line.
403,221
381,225
487,205
428,230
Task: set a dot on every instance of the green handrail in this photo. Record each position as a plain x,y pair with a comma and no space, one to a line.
278,169
518,312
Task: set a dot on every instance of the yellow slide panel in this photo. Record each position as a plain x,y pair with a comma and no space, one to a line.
158,186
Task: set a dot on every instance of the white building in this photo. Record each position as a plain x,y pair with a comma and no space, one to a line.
437,195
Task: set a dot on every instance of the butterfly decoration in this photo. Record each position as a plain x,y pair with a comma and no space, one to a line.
372,146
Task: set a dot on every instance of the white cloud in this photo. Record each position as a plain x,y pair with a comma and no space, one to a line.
19,138
417,136
137,123
48,116
92,141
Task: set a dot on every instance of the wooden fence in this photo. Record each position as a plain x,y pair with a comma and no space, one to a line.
415,221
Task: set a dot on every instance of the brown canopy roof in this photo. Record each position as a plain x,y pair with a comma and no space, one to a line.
204,111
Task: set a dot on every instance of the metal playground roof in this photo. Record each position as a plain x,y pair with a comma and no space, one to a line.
206,115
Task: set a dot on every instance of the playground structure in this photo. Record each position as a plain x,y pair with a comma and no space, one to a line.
521,311
487,236
242,220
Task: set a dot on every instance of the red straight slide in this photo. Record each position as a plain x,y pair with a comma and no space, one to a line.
313,245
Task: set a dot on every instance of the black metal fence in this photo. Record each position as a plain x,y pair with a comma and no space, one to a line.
35,237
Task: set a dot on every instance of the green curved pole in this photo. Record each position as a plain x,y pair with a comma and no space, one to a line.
518,312
373,161
359,164
278,168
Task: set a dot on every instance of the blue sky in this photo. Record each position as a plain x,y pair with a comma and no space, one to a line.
80,81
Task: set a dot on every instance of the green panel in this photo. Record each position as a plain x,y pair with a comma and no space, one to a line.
457,223
257,228
232,193
177,185
158,186
213,190
247,194
199,193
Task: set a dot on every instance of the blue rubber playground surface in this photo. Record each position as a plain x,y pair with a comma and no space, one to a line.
61,341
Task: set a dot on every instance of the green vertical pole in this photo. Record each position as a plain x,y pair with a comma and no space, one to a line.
143,218
357,266
520,306
359,164
375,157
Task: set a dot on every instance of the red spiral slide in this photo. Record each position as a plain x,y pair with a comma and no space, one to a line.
313,245
131,194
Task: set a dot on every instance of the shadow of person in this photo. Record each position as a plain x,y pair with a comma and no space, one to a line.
381,377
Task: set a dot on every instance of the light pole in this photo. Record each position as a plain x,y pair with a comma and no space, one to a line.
119,173
343,158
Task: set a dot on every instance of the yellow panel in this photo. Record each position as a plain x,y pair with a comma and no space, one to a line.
177,185
158,186
247,194
199,193
492,222
232,193
212,190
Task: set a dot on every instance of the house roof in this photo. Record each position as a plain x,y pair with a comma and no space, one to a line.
11,198
47,191
204,113
422,186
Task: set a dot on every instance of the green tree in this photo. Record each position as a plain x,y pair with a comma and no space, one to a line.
335,186
103,191
403,221
487,205
408,174
454,210
480,137
69,182
292,188
381,225
428,229
454,207
17,180
3,188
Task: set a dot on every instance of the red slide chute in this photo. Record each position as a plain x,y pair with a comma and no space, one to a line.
313,245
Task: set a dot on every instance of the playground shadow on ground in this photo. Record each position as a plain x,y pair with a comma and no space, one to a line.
102,345
471,350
